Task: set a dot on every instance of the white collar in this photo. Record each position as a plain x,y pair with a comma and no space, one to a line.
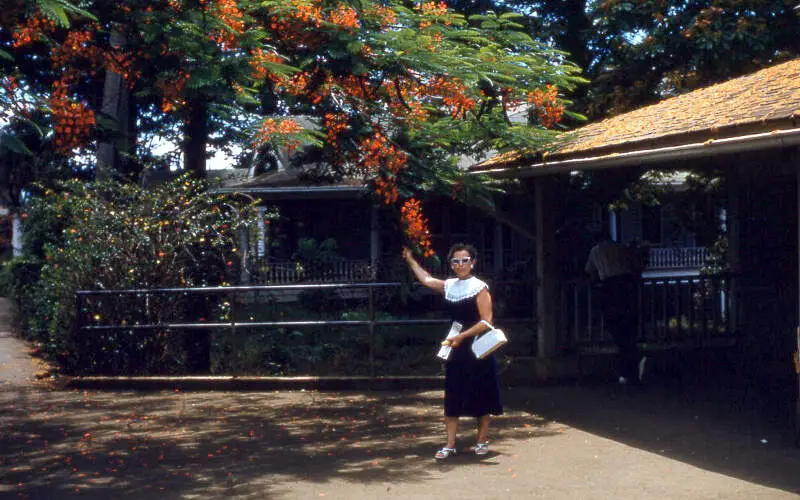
456,290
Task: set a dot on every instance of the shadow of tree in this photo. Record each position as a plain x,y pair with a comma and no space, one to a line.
214,444
741,432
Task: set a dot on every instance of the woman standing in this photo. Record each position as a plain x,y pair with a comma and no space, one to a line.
471,388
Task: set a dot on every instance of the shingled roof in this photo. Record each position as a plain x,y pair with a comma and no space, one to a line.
764,101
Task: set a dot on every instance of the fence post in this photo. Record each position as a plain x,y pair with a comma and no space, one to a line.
78,315
371,331
232,312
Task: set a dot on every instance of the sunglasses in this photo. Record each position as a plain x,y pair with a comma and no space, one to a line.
461,261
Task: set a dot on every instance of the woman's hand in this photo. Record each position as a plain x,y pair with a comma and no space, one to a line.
456,341
407,255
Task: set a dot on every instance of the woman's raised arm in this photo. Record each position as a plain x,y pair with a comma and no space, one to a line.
421,274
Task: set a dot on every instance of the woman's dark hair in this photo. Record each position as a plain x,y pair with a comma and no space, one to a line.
462,246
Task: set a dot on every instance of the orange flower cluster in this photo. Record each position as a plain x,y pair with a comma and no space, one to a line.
228,14
77,44
386,187
415,226
260,71
346,17
72,121
298,83
171,91
405,103
335,124
546,105
273,130
293,26
307,11
436,40
453,94
377,151
509,98
385,15
122,64
355,86
432,9
379,156
35,26
413,113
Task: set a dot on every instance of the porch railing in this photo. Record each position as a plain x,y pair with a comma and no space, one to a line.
695,310
276,272
677,258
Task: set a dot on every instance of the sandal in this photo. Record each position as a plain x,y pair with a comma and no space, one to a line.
481,448
445,453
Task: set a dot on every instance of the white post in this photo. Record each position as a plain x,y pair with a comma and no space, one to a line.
261,232
16,235
612,225
244,255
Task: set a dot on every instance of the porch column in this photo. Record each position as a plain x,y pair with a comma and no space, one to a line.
795,159
547,295
498,248
374,240
733,227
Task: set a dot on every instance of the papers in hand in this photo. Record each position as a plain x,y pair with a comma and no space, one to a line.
444,350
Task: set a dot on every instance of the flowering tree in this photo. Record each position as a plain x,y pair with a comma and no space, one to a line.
398,92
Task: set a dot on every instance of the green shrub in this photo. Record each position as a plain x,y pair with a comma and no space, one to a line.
108,235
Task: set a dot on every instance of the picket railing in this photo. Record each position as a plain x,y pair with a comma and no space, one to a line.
287,272
696,309
677,258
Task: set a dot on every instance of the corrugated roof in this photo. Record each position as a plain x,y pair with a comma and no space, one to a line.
766,100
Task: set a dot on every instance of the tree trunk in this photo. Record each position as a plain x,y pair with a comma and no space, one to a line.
196,138
572,38
198,340
114,153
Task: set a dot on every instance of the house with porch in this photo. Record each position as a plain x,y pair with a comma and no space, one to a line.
747,131
309,214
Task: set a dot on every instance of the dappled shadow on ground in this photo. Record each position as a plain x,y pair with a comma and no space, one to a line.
739,431
54,444
174,444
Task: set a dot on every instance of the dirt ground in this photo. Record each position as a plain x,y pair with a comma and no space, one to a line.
568,441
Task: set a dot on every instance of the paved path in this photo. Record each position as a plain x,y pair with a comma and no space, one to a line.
569,442
16,367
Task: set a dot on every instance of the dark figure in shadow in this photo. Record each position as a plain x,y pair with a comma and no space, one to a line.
615,270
